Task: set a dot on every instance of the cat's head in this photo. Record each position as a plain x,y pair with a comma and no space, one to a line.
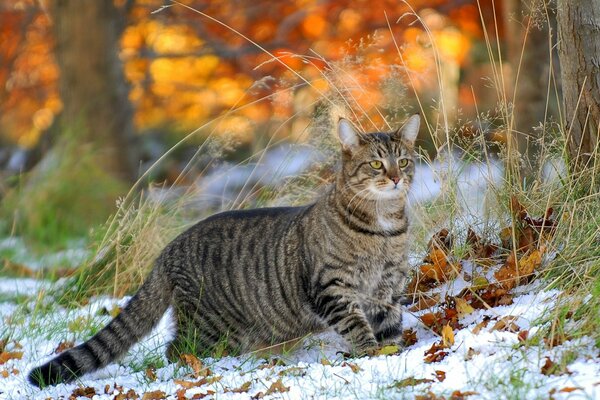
378,165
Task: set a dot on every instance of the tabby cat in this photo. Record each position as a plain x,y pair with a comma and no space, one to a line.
259,277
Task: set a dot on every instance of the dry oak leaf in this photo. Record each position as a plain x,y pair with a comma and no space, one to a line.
129,395
462,307
440,375
458,395
244,388
354,367
506,323
276,387
64,345
409,337
10,355
447,336
569,389
150,373
195,364
88,392
154,395
425,302
387,350
435,353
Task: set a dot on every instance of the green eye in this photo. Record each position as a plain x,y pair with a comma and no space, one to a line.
376,164
403,162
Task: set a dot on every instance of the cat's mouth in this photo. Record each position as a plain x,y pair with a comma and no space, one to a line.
390,190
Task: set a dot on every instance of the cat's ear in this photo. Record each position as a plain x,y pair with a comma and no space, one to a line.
349,136
410,130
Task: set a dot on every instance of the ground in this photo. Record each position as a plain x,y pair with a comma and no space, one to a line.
484,362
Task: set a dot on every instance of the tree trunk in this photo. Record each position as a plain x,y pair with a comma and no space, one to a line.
96,108
579,53
529,56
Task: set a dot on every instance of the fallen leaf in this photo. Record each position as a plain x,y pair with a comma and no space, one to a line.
569,389
244,388
155,395
354,367
88,392
151,374
429,319
10,355
463,308
203,395
425,302
441,240
522,336
447,336
435,353
471,353
409,337
325,361
549,367
481,325
294,371
458,395
387,350
506,323
4,373
440,375
129,395
195,364
411,381
277,387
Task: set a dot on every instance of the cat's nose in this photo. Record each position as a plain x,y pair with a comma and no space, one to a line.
395,179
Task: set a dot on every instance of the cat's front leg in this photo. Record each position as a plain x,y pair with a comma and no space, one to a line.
387,324
338,305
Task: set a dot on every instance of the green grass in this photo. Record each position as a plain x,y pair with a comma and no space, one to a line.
61,198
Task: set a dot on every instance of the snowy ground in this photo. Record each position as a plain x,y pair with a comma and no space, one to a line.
485,362
489,364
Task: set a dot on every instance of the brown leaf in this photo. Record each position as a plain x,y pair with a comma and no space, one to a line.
481,325
471,353
409,337
154,395
522,336
10,355
440,375
435,353
447,336
277,387
354,367
569,389
458,395
430,318
441,240
325,361
203,395
64,345
129,395
506,323
4,373
151,374
195,364
244,388
549,367
88,392
425,302
410,381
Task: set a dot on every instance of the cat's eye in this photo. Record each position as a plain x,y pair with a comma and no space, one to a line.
376,164
403,162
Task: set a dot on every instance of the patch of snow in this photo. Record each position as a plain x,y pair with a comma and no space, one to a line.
487,363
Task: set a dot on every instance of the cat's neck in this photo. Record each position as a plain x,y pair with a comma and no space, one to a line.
384,214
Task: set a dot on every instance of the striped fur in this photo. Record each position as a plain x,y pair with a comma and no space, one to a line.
266,276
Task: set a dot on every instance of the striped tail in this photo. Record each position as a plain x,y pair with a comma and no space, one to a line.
138,318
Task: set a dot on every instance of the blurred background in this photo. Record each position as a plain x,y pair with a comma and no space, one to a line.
93,94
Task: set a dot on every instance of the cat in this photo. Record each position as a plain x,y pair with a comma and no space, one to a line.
264,276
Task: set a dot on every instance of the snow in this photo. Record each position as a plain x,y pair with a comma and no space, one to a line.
487,362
